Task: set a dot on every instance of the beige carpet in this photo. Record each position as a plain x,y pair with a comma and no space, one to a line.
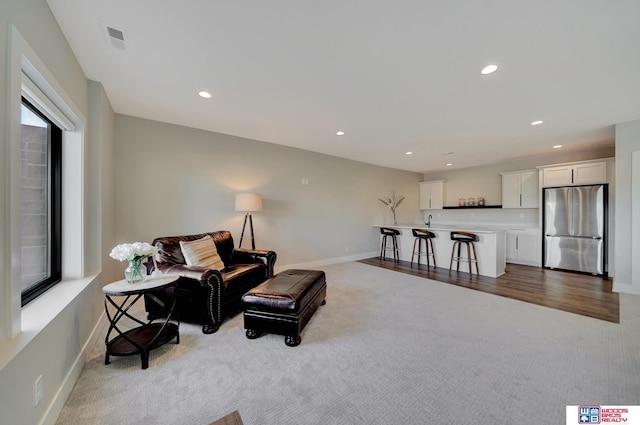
387,348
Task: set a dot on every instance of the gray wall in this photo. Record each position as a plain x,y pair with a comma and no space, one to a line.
55,348
627,278
486,180
100,219
176,180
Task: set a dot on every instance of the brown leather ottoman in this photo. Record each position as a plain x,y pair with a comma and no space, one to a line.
284,304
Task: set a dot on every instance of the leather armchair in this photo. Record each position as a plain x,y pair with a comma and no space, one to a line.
207,296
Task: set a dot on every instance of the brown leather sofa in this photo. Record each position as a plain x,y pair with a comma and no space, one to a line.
207,296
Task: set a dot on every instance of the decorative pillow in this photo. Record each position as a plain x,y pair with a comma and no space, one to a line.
202,253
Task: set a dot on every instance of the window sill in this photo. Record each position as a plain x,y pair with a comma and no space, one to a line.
39,313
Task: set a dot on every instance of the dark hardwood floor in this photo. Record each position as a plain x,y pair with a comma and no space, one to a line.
583,294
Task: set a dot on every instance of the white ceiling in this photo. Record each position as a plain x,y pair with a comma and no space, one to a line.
396,76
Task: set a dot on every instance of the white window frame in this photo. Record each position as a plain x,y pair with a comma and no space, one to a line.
22,60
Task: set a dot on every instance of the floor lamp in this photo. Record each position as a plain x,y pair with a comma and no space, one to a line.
248,202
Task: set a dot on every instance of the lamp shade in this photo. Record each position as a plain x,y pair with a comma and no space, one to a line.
248,202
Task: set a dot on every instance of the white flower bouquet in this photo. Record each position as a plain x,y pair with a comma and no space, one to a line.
133,253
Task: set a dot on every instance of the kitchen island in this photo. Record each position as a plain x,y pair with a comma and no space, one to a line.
491,246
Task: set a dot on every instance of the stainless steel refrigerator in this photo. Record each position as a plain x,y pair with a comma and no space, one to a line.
574,228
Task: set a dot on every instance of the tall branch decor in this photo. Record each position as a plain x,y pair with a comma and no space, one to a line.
392,203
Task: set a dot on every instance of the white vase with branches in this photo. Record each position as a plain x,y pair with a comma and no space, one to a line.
392,203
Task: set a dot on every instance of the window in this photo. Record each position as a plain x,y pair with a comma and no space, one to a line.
40,186
28,78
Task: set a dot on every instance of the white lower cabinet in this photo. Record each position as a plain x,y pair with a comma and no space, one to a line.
523,246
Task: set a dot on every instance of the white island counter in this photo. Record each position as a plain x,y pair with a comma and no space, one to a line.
491,246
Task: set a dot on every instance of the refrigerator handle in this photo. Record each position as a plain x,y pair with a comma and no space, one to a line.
591,237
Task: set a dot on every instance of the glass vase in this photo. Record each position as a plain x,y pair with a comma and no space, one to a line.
135,271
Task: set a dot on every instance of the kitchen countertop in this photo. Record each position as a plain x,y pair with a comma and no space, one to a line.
491,244
450,227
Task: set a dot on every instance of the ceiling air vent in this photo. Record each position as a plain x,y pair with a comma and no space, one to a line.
115,37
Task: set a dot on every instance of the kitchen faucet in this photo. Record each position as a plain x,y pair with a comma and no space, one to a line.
428,223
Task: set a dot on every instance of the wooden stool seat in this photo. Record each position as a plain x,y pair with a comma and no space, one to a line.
468,239
420,236
388,232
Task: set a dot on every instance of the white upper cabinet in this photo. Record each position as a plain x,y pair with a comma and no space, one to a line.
575,174
520,189
432,195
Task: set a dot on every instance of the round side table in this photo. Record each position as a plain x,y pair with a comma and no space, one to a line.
148,335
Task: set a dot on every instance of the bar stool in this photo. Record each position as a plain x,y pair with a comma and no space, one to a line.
388,232
425,236
469,239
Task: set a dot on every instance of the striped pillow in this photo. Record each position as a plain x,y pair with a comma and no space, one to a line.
202,253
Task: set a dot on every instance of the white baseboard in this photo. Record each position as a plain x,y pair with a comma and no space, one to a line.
327,261
626,288
53,411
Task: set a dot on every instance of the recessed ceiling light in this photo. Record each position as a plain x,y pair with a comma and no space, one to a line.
205,94
340,133
449,164
409,153
536,123
489,69
557,146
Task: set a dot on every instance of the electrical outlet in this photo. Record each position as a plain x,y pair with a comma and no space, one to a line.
346,249
39,390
